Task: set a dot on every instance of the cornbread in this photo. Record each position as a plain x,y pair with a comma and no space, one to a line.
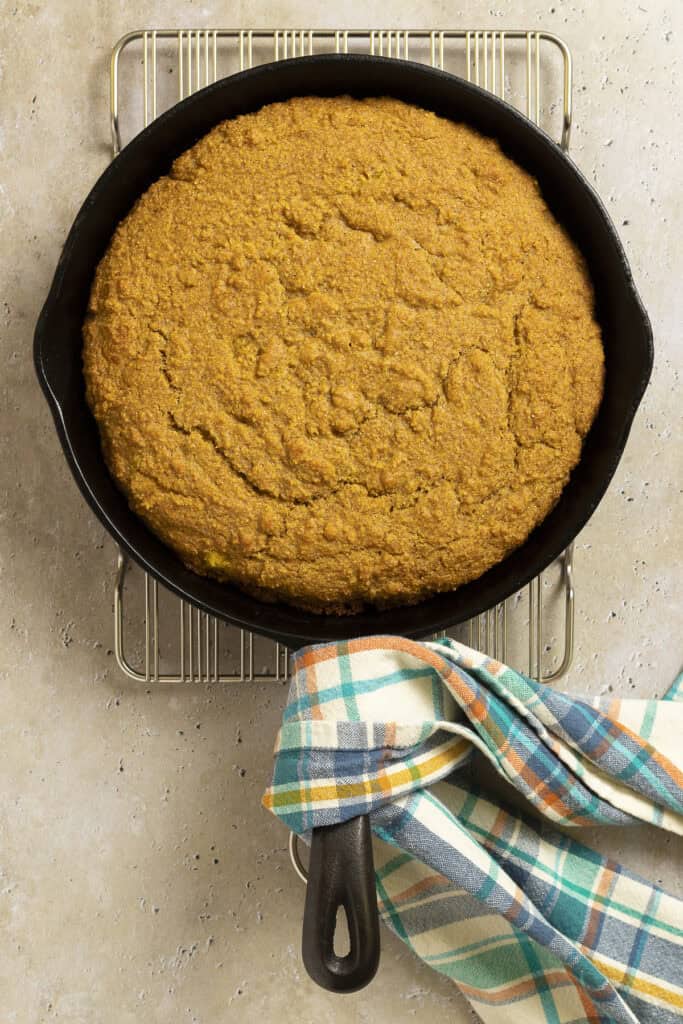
342,354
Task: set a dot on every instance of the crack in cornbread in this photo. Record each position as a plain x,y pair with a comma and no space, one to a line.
342,354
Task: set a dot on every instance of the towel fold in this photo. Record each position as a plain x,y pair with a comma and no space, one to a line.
532,925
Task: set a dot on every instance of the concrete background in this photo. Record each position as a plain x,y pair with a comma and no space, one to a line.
140,880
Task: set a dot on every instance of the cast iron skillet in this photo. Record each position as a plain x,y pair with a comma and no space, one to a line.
341,871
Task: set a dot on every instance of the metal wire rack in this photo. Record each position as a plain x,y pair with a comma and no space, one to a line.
160,638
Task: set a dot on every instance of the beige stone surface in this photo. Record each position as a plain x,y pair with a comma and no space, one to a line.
140,880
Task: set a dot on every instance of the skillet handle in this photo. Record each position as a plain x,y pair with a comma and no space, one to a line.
341,874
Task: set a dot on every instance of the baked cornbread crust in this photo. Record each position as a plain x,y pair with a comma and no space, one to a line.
342,354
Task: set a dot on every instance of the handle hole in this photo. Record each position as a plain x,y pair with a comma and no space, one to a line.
342,938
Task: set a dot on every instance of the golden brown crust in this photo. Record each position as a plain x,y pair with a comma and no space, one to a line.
343,354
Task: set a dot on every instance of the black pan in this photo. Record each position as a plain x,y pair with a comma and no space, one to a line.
628,348
626,332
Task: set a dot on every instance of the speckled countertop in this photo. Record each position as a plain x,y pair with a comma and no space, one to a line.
140,880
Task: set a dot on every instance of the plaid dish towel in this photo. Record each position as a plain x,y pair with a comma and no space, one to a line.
532,925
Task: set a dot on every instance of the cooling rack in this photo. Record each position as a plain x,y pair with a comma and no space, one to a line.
161,638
